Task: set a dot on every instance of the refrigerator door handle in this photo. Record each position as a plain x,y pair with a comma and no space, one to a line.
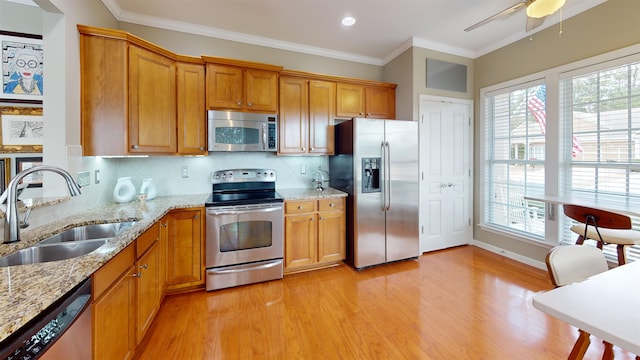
384,168
387,177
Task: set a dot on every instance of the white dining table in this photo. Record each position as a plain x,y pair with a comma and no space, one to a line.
606,305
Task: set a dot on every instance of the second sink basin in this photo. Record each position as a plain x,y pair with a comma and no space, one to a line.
52,252
88,232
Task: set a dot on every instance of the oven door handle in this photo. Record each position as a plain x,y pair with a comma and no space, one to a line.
245,268
240,212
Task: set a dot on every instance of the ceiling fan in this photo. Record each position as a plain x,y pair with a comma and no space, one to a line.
537,11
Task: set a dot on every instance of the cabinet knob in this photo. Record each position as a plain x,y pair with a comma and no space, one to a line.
196,217
134,146
239,103
136,274
250,104
201,148
303,149
299,207
310,149
310,219
368,114
145,266
360,113
332,205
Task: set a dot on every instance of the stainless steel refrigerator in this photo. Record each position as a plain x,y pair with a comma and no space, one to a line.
376,163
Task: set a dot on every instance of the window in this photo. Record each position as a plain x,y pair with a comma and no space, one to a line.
600,112
515,126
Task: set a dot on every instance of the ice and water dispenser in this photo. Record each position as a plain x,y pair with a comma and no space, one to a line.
371,174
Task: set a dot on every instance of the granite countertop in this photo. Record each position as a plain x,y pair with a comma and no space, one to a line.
309,194
27,290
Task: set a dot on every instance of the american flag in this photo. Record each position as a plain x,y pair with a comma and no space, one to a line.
536,106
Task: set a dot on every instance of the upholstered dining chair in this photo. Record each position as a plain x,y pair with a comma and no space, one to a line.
568,264
605,227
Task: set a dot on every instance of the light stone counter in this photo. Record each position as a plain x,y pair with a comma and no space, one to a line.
309,194
27,290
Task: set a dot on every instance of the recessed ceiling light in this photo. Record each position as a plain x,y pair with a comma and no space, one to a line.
348,21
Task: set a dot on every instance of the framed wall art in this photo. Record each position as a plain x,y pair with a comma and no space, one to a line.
24,163
21,129
5,173
22,67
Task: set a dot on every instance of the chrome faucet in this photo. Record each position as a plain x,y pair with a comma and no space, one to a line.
11,228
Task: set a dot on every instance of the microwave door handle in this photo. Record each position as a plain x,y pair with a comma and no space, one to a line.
264,136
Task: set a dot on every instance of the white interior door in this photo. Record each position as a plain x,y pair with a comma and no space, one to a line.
445,172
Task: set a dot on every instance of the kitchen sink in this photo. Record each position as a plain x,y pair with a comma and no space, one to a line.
51,252
89,232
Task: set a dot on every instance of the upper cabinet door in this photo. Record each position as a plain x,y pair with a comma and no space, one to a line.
380,102
224,87
152,102
350,100
192,118
294,116
322,109
261,90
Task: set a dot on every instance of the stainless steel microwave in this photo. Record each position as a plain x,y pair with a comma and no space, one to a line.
242,131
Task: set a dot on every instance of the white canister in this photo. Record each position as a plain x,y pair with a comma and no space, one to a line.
149,188
124,191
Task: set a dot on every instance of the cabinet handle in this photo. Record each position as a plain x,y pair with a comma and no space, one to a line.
136,274
145,266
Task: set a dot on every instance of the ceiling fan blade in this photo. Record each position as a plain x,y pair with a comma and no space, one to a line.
533,23
501,14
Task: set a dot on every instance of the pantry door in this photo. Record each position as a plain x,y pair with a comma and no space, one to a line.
446,186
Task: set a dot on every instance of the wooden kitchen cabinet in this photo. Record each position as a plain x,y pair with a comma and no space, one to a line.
127,294
241,85
114,294
315,233
191,108
185,262
152,102
148,286
356,100
129,97
307,108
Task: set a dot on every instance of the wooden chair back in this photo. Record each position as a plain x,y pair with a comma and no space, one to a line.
597,217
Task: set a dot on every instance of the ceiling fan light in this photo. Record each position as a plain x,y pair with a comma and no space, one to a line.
542,8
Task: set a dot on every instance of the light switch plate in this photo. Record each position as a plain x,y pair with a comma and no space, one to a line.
84,178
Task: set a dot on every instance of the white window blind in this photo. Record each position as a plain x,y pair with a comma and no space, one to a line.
600,111
514,138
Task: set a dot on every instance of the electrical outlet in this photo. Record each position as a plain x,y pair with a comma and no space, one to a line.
303,169
185,171
97,176
84,178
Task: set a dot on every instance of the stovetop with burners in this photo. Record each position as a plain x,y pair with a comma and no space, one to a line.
243,187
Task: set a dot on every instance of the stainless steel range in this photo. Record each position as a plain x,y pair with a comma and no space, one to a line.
244,228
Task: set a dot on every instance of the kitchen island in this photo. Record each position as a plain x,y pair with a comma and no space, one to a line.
27,290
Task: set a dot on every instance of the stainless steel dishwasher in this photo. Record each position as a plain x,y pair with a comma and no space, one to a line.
62,331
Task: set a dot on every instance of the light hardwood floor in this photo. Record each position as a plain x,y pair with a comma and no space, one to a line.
461,303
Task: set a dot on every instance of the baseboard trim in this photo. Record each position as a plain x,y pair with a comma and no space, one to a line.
511,255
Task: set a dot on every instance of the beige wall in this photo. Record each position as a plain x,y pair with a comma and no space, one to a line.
612,25
409,71
196,45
